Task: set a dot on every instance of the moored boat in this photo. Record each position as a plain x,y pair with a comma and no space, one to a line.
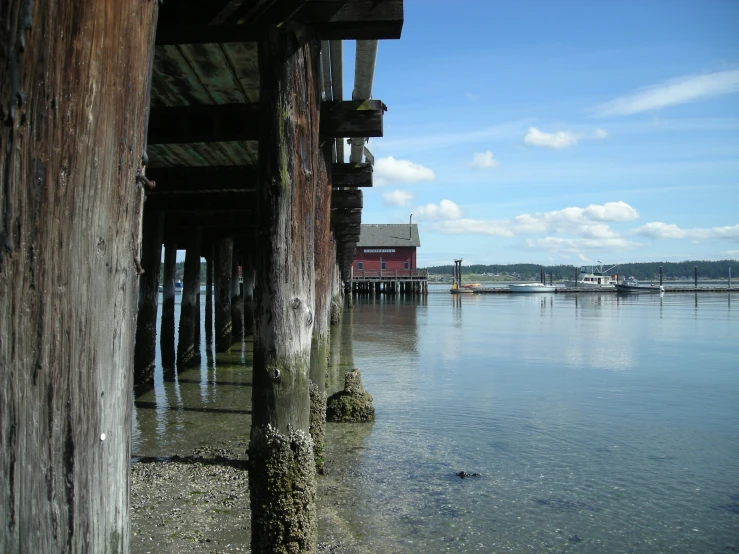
595,278
632,285
532,287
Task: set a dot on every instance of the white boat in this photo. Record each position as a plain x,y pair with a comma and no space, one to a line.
633,286
595,278
532,287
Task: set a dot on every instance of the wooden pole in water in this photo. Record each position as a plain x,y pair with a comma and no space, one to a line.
282,481
145,350
222,277
166,339
248,272
660,276
186,353
74,96
237,303
321,325
696,276
209,297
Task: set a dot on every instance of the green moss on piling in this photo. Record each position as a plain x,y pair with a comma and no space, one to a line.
282,488
353,404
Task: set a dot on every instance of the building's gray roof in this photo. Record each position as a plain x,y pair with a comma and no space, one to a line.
389,235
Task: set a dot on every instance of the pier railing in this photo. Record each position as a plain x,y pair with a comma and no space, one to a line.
390,274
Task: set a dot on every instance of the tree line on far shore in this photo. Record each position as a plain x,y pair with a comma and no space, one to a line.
642,270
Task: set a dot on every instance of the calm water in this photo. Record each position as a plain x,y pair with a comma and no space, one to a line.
597,423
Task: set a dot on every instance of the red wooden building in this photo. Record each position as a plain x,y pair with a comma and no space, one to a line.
386,247
387,254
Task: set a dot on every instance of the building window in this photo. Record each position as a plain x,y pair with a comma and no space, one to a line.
360,266
383,266
406,265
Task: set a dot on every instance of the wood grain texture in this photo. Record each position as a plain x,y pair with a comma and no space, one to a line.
284,297
73,90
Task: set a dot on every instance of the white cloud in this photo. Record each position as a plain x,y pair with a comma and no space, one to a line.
389,170
690,88
590,222
560,139
484,160
659,230
398,198
446,209
558,244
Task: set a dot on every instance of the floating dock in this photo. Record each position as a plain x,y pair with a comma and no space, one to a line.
590,290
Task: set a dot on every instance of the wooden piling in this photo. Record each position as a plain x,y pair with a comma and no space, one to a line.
282,470
323,272
223,254
247,270
166,333
145,349
186,353
73,110
209,297
237,302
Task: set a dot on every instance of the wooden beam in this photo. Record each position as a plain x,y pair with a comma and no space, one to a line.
202,179
225,202
240,122
351,175
344,199
342,231
352,118
329,19
344,217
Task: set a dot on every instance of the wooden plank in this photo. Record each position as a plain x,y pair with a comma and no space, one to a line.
345,199
240,122
352,118
351,175
74,90
329,19
202,179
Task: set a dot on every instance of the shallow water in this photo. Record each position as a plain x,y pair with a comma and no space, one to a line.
597,422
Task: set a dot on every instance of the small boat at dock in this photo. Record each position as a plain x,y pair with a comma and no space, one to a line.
532,287
632,286
593,277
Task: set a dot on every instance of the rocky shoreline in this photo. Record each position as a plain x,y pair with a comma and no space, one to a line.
200,504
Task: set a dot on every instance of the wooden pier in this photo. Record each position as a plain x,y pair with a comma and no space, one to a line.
213,127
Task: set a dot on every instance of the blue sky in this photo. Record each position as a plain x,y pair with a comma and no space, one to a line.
560,132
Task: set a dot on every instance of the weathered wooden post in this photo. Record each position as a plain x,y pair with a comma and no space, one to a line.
186,353
223,253
145,350
696,276
282,470
660,276
209,296
237,302
323,273
247,270
166,338
73,106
